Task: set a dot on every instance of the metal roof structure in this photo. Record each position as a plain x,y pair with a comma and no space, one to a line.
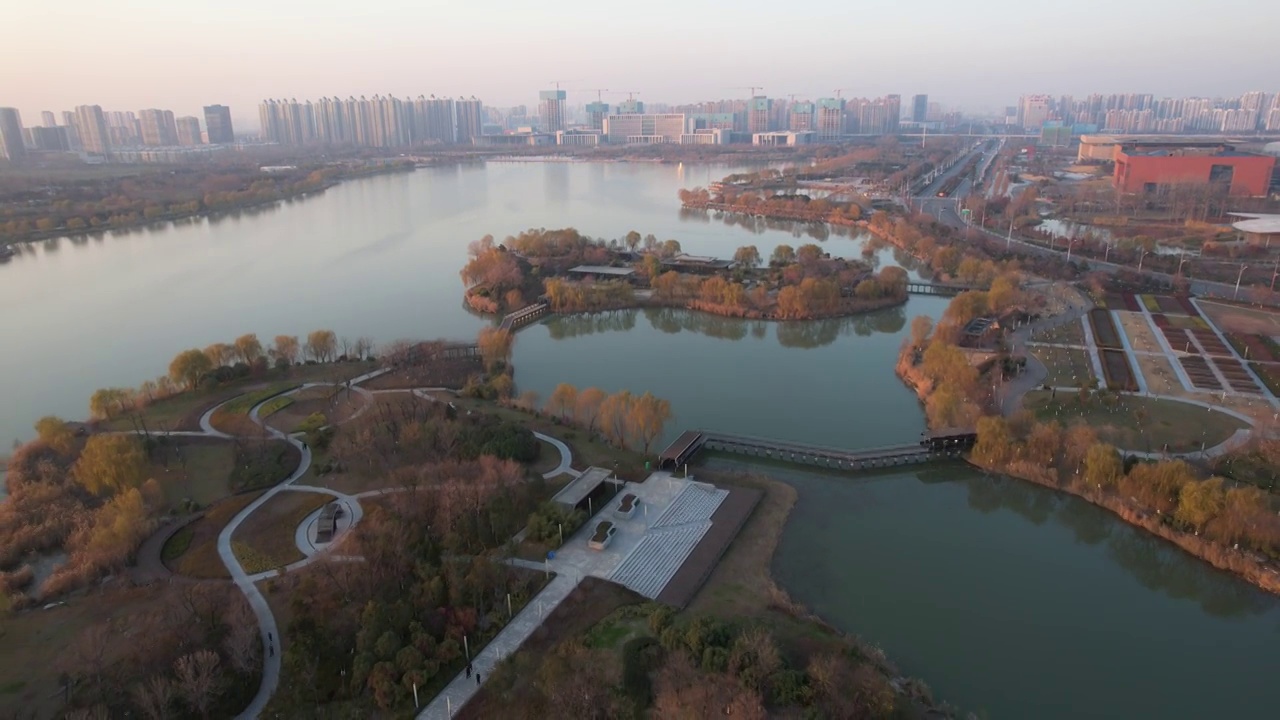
1257,224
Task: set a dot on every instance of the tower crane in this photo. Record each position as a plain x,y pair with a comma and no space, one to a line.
840,90
752,88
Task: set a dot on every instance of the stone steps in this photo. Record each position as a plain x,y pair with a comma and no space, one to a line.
655,559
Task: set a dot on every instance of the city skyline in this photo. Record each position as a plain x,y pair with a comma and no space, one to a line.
514,50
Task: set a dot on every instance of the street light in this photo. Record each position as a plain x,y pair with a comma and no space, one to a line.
1243,267
1140,259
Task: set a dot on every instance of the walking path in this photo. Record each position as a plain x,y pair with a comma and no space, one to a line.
1124,340
566,457
1035,373
1093,351
463,687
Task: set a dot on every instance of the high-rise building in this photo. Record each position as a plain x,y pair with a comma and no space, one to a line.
47,119
920,108
11,144
159,129
50,139
551,110
470,120
801,117
91,125
758,114
217,123
892,113
631,106
1033,110
830,119
596,113
188,131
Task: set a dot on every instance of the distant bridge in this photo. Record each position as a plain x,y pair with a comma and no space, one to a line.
939,289
932,446
525,316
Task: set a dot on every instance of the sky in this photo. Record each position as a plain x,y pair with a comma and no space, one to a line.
978,56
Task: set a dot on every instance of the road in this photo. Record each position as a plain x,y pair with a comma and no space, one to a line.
947,211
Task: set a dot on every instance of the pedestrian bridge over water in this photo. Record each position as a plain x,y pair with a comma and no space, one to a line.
933,445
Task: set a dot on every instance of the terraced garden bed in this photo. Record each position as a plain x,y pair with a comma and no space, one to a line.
1254,347
1071,333
1270,375
1119,374
1104,329
1197,369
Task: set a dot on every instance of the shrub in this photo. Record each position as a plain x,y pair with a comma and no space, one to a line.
640,656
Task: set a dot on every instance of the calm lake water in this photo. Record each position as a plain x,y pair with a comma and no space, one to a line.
1001,595
1012,600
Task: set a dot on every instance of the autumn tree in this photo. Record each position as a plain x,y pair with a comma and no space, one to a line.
1200,502
994,447
495,345
286,349
632,240
647,418
782,255
220,354
587,408
1102,466
248,348
921,328
53,431
747,256
563,400
188,367
615,413
322,345
808,254
111,463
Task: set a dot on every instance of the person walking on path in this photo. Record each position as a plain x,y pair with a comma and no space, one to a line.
477,679
468,671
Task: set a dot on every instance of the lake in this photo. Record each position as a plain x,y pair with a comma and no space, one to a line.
1001,595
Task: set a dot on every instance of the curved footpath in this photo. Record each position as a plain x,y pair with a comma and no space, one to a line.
269,632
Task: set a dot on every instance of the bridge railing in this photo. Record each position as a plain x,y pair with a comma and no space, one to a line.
786,444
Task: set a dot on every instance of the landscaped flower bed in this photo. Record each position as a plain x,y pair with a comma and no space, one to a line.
1161,321
1253,347
1104,329
1270,375
627,507
1190,309
602,536
1198,372
1169,304
1150,302
1130,302
1116,366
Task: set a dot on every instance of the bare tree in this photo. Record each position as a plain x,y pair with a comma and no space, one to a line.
243,641
198,679
154,697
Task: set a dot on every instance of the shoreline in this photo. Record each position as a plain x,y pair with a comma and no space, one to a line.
17,245
1260,573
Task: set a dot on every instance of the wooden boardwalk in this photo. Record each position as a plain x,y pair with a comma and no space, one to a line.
524,316
690,442
938,289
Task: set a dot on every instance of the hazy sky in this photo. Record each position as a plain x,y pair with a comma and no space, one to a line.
979,55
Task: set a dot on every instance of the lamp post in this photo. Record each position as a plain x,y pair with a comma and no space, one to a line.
1141,257
1239,277
1009,238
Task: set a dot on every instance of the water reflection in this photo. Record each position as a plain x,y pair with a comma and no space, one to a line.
792,334
1154,563
564,327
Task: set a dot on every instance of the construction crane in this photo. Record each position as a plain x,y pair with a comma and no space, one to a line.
840,90
631,94
752,88
598,91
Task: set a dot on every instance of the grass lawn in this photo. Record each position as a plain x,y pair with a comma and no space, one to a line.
1068,367
1071,333
1138,423
275,405
1244,320
195,469
199,558
34,641
265,540
182,411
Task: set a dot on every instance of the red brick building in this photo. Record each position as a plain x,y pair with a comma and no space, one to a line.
1144,168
